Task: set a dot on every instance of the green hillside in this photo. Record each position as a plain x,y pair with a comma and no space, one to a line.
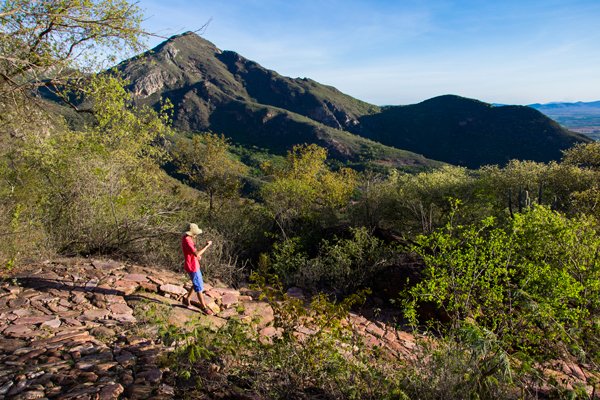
468,132
223,92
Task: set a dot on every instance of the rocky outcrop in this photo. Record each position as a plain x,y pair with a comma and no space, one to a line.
69,330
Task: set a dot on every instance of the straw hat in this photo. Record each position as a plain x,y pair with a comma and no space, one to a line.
193,230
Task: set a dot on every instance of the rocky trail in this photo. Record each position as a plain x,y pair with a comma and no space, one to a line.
68,329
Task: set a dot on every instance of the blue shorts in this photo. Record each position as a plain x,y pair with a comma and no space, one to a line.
197,281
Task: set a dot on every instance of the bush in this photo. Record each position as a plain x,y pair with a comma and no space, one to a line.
342,265
534,284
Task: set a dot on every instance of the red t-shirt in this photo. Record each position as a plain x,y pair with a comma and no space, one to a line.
189,254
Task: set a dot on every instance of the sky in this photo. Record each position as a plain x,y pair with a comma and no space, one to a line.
406,51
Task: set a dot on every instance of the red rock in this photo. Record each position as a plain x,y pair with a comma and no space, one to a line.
270,331
111,391
173,289
150,287
120,308
91,315
135,278
373,341
212,293
19,331
229,299
18,302
375,330
577,372
228,313
53,323
405,336
22,312
103,367
35,320
259,310
390,336
126,359
127,287
156,280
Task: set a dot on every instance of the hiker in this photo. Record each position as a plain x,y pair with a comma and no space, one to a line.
192,265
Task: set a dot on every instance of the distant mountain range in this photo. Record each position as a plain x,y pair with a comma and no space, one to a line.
580,117
224,92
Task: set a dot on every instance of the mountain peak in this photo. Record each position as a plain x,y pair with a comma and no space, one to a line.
191,41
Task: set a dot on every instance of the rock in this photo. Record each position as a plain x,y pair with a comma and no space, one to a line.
88,377
375,330
102,332
126,359
91,284
150,287
153,375
139,392
135,278
126,287
156,280
124,318
120,308
166,390
53,323
10,345
6,387
228,313
229,299
22,312
92,315
19,302
259,311
19,331
106,366
32,394
173,289
111,391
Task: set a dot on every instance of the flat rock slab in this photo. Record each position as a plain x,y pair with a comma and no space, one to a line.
135,278
92,315
173,289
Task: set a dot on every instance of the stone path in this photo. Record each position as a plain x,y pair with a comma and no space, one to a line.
65,329
68,330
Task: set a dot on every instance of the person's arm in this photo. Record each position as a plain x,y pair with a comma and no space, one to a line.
202,250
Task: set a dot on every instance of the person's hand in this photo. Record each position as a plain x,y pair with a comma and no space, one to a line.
209,243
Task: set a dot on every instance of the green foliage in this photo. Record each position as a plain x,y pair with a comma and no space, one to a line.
306,189
94,190
534,284
342,265
471,365
313,354
207,164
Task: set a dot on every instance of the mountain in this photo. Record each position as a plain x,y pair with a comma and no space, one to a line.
226,93
223,92
580,117
469,132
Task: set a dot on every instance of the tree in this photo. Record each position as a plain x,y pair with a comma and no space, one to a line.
46,43
207,164
305,187
57,46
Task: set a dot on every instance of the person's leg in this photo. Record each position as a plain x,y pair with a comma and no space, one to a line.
201,300
186,299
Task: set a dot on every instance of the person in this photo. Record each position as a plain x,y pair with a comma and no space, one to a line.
192,258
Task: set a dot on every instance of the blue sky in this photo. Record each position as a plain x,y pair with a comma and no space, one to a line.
405,51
